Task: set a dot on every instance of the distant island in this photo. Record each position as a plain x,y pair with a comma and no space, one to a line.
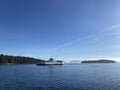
98,61
9,59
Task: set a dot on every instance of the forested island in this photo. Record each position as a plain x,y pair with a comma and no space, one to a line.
9,59
98,61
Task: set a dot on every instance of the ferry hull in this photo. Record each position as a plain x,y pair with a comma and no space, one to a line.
48,64
51,63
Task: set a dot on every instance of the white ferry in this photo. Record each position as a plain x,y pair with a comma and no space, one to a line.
51,61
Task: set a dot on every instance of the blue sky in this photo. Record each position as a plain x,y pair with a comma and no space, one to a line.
66,29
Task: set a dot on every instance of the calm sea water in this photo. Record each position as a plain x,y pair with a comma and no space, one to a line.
66,77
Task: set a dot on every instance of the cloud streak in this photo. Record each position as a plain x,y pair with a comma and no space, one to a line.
85,37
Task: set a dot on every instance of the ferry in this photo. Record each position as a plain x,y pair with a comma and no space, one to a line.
51,61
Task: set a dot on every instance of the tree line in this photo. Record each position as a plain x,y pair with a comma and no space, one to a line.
7,59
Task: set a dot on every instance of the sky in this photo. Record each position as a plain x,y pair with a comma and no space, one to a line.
64,29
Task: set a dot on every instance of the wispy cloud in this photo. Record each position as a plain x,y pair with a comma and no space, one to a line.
85,37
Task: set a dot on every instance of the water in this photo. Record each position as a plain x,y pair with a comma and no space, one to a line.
66,77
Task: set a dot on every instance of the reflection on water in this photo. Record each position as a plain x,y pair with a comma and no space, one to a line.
66,77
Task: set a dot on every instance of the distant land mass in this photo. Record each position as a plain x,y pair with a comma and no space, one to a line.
8,59
98,61
75,61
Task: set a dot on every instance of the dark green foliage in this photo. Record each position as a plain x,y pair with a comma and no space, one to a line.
99,61
5,59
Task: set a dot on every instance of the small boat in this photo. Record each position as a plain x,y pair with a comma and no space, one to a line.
51,61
